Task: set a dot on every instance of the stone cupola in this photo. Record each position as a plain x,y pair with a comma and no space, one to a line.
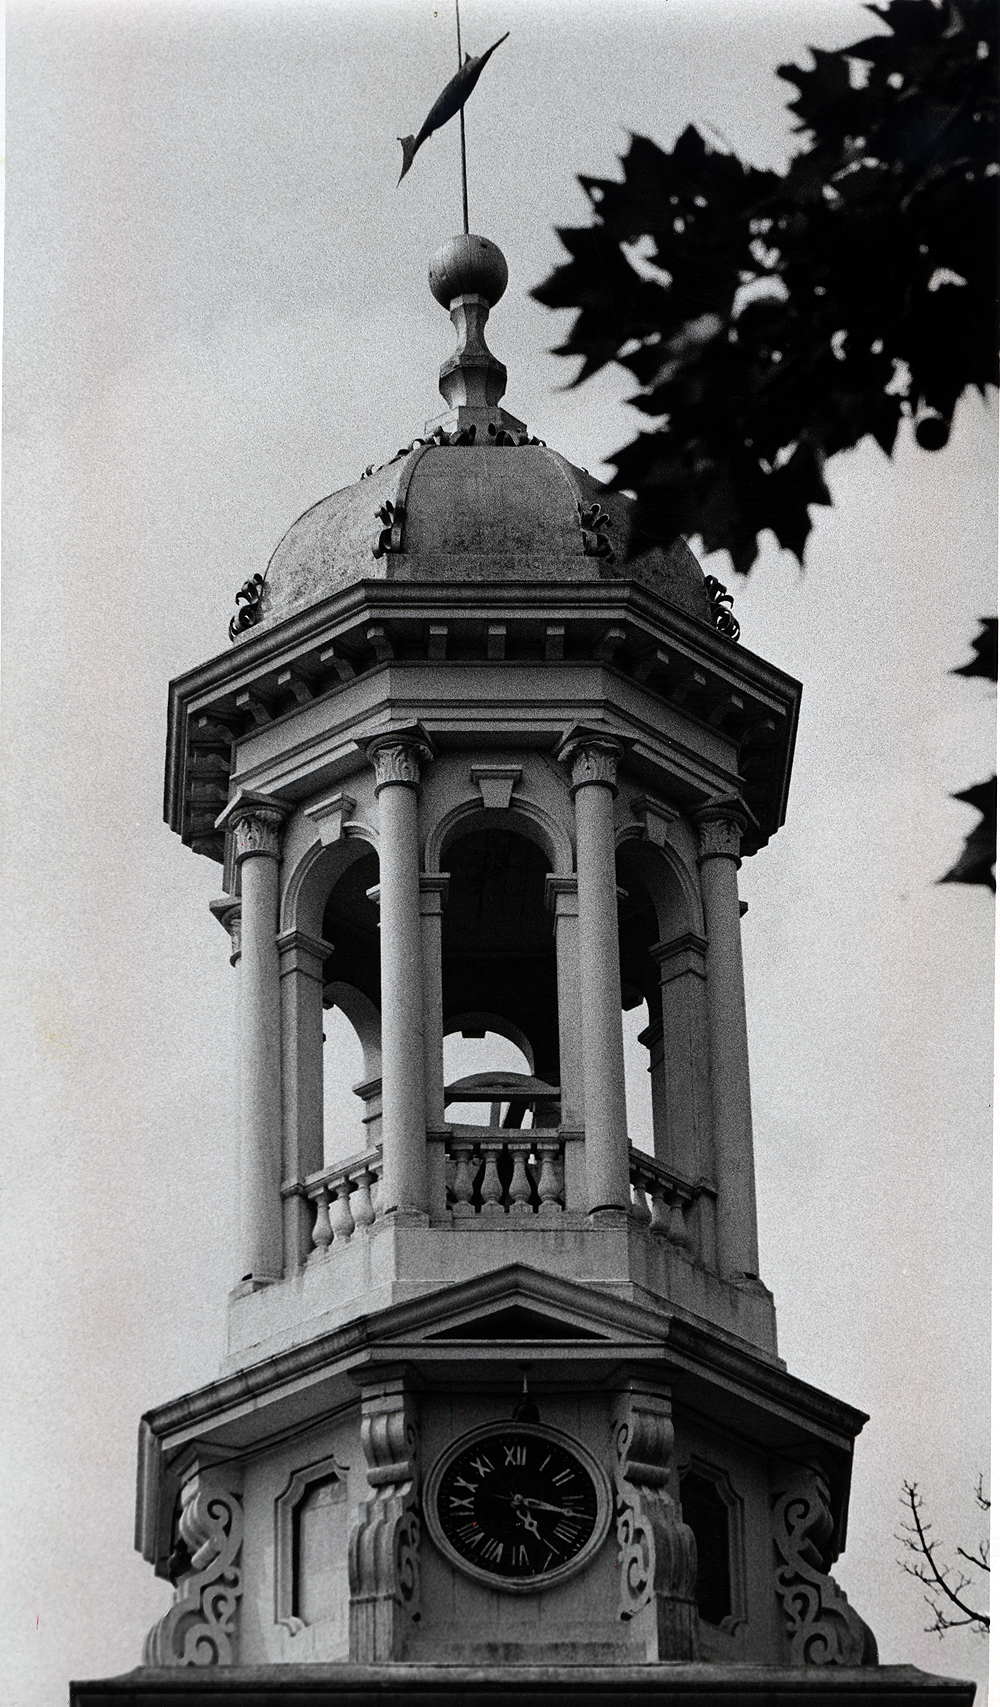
502,1386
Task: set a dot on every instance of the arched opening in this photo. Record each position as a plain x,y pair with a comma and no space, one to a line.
642,1022
475,1048
343,1068
351,1025
498,956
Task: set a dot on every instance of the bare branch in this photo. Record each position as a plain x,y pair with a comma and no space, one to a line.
944,1580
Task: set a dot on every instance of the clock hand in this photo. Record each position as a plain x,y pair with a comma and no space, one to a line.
530,1523
543,1505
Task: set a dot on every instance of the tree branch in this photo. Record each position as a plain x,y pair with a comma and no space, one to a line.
916,1538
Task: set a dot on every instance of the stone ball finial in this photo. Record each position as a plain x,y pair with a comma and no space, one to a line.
468,266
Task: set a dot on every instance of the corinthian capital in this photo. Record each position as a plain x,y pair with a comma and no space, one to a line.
593,759
398,758
255,821
721,825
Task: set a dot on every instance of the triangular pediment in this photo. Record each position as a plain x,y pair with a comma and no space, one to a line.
515,1305
516,1322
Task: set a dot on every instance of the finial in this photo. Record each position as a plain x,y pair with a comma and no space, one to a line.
468,276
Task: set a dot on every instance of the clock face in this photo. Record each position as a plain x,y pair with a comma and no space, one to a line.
518,1505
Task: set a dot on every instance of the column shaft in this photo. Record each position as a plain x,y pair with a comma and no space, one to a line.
404,1112
301,960
260,1057
606,1132
561,896
736,1210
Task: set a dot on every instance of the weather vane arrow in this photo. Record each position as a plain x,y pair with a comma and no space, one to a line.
451,100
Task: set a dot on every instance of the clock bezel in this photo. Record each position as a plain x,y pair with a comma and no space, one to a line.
544,1579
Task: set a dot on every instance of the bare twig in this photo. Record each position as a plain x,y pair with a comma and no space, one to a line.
942,1580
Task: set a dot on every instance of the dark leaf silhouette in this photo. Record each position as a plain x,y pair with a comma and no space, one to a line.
771,321
825,304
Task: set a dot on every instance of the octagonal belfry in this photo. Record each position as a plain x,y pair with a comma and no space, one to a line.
501,1391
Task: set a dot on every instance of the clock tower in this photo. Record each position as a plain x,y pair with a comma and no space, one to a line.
502,1411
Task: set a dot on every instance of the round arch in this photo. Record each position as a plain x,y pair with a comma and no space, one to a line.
478,1024
364,1019
321,866
671,885
523,817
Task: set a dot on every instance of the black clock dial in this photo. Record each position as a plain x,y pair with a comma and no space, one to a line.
518,1504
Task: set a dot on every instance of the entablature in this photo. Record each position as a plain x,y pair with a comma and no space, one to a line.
725,704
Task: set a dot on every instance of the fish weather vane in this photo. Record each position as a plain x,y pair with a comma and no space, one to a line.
451,100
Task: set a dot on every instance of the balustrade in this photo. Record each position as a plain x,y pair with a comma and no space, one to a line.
346,1197
662,1201
497,1172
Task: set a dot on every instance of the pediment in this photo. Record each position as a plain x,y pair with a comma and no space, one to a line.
516,1322
515,1305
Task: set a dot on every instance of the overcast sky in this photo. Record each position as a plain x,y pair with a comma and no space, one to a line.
216,311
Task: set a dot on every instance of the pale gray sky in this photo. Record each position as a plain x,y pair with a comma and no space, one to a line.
216,311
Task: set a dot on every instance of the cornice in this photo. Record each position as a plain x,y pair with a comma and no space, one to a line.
314,654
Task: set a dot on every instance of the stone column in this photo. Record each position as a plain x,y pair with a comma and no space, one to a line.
561,897
433,894
594,762
685,1053
720,828
256,825
301,960
397,759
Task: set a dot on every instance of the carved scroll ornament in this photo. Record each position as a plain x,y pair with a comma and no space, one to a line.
593,525
383,1558
198,1629
657,1558
390,536
822,1625
250,596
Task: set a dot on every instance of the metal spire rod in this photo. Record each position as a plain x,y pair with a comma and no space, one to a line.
461,120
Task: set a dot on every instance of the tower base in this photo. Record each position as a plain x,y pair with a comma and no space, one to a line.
674,1685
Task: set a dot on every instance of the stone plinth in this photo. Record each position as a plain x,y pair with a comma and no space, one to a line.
509,1686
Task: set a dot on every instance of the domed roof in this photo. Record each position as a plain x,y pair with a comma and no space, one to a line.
478,500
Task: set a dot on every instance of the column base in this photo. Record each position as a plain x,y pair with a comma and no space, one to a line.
608,1215
254,1283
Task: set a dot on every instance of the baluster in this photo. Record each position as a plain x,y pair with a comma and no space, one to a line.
677,1232
519,1190
362,1208
322,1230
464,1181
659,1214
376,1191
640,1207
549,1187
491,1191
341,1220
